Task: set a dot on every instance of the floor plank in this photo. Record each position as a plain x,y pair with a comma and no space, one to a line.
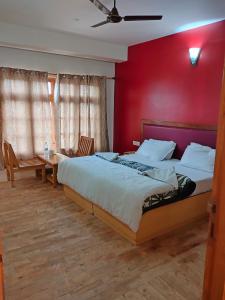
55,251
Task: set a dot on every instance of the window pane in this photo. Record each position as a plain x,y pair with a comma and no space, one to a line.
49,88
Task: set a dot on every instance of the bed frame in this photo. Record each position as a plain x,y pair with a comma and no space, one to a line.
166,218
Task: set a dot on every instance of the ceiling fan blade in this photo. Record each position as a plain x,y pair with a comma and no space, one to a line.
101,6
142,18
100,24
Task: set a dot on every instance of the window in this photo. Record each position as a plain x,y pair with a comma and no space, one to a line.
26,110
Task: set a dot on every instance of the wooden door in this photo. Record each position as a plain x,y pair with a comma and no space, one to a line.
1,274
215,258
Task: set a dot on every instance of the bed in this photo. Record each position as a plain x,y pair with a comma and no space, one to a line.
156,221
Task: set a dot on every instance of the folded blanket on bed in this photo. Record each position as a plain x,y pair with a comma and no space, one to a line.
168,176
110,156
183,186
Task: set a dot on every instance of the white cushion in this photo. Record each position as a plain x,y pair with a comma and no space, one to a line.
170,154
157,150
199,157
212,157
170,144
206,148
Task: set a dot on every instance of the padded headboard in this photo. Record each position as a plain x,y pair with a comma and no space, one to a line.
181,133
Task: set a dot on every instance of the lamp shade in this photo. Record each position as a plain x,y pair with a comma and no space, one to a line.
194,55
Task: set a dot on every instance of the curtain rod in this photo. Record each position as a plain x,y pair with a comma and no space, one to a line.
54,75
50,74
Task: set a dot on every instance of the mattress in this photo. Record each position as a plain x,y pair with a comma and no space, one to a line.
121,189
118,189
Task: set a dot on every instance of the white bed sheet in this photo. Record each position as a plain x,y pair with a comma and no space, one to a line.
118,189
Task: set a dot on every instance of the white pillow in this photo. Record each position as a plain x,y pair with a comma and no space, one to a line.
212,157
170,154
206,148
198,157
156,150
170,144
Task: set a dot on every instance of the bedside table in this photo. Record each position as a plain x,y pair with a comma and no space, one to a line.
52,162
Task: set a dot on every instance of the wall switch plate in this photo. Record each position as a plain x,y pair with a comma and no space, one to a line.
136,143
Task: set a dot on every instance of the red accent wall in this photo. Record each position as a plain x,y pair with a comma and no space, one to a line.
158,82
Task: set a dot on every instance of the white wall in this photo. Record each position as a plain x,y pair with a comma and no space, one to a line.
23,37
53,63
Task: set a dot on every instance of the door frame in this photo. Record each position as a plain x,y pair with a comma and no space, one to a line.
214,278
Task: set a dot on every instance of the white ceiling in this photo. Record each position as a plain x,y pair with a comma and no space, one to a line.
76,16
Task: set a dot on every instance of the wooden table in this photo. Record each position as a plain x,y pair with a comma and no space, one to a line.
51,161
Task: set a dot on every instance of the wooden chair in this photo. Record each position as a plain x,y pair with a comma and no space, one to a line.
85,148
13,165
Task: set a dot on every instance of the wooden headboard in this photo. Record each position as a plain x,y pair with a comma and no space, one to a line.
181,133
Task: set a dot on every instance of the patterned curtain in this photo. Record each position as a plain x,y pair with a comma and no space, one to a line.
25,112
81,104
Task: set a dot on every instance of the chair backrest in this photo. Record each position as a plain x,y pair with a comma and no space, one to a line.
9,155
85,146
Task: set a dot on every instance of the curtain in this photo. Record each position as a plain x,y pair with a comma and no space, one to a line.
81,104
25,111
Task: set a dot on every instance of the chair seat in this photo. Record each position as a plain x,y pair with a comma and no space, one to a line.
85,148
14,165
34,162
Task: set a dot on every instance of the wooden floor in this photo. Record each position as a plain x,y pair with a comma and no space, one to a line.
54,250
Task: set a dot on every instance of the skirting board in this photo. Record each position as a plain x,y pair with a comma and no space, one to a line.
155,222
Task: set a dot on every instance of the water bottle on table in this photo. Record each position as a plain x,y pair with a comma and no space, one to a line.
46,151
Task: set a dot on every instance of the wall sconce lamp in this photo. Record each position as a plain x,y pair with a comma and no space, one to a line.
194,55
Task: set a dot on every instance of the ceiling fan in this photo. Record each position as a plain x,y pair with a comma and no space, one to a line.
114,17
